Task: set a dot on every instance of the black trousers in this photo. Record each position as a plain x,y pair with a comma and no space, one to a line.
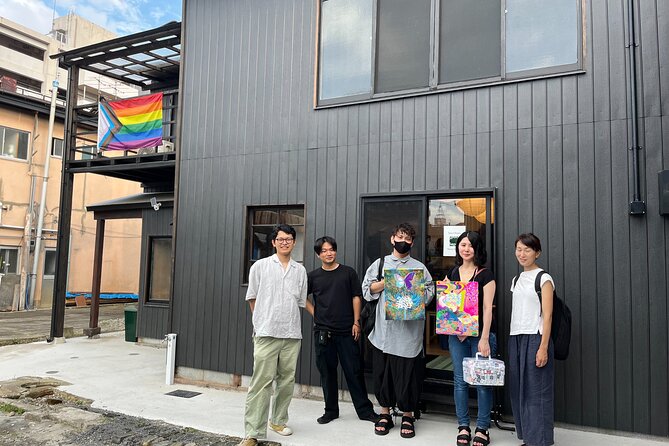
398,381
345,350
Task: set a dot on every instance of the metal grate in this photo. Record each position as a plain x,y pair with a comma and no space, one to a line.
183,393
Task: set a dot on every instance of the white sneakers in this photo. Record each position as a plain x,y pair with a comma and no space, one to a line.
280,429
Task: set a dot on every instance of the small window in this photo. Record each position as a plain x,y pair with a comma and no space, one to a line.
60,35
57,147
160,269
14,143
9,260
50,262
541,34
260,222
346,48
465,55
88,153
403,58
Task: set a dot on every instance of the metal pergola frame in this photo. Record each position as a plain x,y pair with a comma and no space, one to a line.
150,60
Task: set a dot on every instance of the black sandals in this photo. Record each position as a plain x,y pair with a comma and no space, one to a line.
407,425
464,439
481,441
384,424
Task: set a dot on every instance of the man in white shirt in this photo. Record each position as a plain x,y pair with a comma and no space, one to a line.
277,289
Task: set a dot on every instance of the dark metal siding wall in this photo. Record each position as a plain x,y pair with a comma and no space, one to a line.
153,318
556,149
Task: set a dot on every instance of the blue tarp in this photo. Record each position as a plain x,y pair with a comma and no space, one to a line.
70,295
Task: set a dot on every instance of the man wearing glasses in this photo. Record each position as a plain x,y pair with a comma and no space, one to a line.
276,291
336,294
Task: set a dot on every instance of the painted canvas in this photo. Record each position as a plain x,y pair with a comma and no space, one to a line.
405,293
458,308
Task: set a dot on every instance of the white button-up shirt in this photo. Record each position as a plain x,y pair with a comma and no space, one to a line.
279,293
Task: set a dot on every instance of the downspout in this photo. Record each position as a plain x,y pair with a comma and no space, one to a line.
40,219
637,205
28,231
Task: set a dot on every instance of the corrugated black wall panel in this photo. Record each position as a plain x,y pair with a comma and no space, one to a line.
556,149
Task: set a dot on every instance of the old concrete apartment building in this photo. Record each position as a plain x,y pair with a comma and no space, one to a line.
26,76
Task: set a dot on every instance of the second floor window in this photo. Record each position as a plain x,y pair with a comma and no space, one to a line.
57,147
14,143
380,48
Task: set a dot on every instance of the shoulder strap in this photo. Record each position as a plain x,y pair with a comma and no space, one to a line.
537,284
379,274
513,282
478,271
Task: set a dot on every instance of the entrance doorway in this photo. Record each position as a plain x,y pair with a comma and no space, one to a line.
439,218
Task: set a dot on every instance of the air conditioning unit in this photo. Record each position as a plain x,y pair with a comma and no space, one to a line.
166,147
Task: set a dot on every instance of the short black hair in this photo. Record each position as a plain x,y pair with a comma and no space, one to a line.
283,228
480,254
405,228
530,240
321,241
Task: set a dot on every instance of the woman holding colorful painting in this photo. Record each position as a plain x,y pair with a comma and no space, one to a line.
530,348
470,256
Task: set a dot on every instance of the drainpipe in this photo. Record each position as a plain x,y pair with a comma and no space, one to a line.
42,205
28,231
637,205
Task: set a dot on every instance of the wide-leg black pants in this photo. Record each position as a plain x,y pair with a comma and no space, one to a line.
398,381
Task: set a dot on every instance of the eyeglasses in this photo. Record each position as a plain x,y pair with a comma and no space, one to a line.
284,241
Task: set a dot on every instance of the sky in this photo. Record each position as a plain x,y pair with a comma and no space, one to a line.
119,16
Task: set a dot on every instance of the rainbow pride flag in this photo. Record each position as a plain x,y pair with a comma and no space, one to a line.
131,123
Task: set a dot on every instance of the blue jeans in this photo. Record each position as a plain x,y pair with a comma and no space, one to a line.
459,351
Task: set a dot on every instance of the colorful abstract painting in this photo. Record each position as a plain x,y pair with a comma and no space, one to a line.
405,294
458,308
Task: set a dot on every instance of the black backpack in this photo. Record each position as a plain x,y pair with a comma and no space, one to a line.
368,313
561,323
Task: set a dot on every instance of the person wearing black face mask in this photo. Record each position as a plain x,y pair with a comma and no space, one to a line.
397,345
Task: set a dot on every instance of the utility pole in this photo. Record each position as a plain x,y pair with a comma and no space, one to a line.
42,205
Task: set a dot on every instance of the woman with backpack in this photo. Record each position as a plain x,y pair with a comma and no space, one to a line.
531,356
470,256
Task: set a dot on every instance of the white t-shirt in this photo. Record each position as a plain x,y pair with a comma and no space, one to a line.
526,309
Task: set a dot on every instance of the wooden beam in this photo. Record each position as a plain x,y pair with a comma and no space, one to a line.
93,328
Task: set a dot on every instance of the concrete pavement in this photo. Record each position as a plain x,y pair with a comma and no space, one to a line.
18,327
129,378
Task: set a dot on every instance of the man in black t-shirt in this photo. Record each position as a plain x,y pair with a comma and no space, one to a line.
336,295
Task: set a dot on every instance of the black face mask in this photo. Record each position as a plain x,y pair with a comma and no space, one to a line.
402,247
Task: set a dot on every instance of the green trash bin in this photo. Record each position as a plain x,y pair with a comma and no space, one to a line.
130,322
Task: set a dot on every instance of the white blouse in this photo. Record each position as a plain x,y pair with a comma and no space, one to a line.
526,308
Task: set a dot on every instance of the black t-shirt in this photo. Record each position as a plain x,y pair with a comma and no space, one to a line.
332,295
483,277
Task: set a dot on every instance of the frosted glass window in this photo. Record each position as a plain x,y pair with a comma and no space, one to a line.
541,33
346,48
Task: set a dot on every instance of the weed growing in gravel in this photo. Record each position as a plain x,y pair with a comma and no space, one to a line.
9,408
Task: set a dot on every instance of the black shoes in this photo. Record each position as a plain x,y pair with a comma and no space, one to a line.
373,417
326,418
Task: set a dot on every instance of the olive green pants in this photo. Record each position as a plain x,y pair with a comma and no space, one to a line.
274,360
